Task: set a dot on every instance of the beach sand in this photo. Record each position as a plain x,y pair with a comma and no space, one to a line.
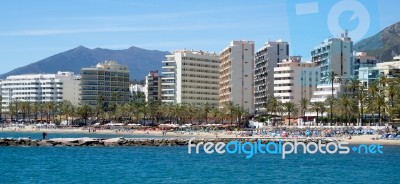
362,139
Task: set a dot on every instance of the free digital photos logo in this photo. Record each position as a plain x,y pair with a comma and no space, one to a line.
249,149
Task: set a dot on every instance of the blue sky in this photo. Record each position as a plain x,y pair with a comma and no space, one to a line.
34,30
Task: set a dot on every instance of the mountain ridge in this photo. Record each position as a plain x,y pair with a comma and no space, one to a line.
139,61
384,44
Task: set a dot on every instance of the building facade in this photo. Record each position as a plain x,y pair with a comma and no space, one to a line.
237,75
190,77
152,88
367,75
294,80
266,59
334,54
40,88
361,60
109,80
134,88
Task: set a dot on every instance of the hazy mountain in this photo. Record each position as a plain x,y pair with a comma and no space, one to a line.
140,61
384,45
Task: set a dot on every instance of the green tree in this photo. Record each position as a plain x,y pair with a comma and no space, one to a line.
333,78
318,107
206,108
290,107
84,111
304,103
272,105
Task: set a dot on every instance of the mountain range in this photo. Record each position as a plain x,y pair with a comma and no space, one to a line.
139,61
383,45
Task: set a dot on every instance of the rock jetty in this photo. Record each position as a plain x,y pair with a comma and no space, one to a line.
128,141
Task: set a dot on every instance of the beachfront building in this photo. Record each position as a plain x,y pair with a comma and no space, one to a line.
294,80
109,80
362,60
190,77
40,88
266,59
367,75
237,75
334,54
152,88
135,88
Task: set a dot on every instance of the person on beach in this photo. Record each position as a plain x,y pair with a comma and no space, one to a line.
44,134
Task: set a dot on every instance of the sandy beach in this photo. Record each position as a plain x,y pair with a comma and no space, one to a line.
361,139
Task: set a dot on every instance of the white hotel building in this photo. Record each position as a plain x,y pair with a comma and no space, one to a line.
266,59
190,77
294,80
237,75
40,88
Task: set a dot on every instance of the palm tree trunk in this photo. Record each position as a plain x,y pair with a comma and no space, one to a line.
379,115
331,104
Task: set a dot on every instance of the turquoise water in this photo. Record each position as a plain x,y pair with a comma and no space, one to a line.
175,165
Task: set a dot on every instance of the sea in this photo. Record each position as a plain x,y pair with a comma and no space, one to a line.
175,165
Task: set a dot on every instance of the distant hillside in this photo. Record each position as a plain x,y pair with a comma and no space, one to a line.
140,61
384,45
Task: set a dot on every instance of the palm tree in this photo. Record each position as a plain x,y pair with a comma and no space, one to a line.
25,109
273,105
383,80
35,109
214,112
67,109
318,107
230,109
99,105
206,108
345,105
49,108
13,108
333,77
391,92
239,113
84,111
304,103
135,108
377,104
289,108
361,97
373,89
353,84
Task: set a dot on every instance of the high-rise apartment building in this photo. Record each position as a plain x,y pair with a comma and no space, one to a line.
237,75
109,80
40,88
265,60
152,88
294,80
334,54
190,77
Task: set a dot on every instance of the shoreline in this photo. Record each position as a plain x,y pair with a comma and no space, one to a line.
120,141
158,134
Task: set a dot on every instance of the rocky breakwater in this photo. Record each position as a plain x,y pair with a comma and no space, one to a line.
128,142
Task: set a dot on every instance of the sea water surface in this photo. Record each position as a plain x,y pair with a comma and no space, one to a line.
175,165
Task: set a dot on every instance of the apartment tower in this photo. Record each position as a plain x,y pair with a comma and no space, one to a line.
237,75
